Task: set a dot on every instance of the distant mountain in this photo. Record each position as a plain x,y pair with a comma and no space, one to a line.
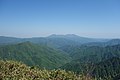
77,38
9,40
52,40
33,54
103,44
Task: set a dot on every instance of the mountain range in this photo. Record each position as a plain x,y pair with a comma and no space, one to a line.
52,40
97,58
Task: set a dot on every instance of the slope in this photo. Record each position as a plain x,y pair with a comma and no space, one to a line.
33,54
86,58
107,69
84,52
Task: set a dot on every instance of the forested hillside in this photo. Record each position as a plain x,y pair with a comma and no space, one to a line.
100,62
85,52
33,54
107,69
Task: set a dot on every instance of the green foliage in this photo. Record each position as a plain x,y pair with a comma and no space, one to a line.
11,70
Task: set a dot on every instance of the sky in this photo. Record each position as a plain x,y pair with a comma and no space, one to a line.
35,18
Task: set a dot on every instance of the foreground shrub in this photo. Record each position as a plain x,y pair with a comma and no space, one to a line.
11,70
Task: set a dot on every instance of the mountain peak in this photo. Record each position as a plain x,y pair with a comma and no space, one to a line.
67,35
71,35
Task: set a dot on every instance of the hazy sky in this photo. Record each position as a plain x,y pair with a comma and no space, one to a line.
34,18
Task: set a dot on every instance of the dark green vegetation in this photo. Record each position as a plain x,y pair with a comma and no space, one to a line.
92,53
109,67
97,61
96,58
33,54
106,70
10,70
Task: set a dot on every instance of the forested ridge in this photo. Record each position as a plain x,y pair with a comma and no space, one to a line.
33,54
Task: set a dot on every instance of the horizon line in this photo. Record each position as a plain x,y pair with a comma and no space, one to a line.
59,35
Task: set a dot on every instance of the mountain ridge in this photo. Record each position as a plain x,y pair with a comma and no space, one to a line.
52,40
